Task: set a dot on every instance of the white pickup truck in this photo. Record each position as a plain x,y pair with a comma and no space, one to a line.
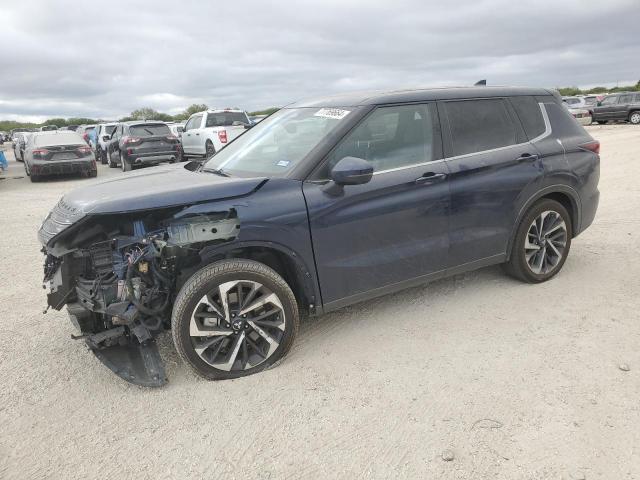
205,133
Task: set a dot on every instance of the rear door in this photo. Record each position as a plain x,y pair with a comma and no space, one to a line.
621,110
493,167
374,238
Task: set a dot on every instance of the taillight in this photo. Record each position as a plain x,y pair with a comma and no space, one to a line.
131,140
40,153
222,135
84,150
593,146
86,137
172,138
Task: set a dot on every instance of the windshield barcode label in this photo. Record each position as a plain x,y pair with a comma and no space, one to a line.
332,113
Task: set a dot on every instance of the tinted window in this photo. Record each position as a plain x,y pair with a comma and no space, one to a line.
479,125
225,119
528,110
625,98
149,130
109,129
391,137
562,122
610,100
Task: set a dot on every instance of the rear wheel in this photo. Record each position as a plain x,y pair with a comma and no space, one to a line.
110,161
634,118
126,166
542,243
234,318
210,149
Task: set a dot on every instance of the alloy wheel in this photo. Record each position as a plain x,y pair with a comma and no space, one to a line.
238,326
635,118
545,242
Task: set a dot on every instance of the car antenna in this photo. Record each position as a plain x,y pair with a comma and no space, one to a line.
480,83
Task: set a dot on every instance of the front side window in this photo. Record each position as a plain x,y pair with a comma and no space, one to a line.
610,100
390,138
194,122
278,144
479,125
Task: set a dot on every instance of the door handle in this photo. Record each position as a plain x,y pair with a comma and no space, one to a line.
198,134
430,177
527,157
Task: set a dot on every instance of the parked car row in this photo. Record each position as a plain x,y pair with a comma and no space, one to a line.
616,107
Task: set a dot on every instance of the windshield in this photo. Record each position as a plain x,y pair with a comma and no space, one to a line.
149,130
276,145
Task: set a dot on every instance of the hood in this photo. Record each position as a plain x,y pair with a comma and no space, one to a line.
156,188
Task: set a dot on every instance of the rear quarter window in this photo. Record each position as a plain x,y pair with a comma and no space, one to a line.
530,115
479,125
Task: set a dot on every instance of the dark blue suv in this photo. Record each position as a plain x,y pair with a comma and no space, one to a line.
324,204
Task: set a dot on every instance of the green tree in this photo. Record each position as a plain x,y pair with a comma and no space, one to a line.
58,122
267,111
147,113
190,110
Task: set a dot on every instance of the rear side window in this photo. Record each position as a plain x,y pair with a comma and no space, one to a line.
528,110
479,125
625,99
149,130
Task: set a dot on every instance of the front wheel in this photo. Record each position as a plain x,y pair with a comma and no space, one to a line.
542,243
234,318
634,118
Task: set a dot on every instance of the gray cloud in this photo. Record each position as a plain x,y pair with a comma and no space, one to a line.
68,58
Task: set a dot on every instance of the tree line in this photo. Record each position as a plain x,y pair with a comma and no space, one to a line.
145,113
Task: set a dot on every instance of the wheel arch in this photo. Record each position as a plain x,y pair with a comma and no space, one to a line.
563,194
287,263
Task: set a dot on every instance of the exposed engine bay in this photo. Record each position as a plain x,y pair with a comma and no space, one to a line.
119,277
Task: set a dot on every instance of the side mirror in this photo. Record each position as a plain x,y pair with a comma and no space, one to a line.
351,171
106,138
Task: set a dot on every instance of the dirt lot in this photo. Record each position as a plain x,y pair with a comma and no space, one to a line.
518,381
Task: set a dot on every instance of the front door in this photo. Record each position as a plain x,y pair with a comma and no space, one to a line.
374,238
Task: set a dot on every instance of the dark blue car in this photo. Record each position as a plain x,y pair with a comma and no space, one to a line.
324,204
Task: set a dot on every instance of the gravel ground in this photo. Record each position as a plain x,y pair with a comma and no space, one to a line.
513,381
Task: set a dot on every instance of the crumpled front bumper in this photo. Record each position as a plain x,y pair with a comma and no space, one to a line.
140,364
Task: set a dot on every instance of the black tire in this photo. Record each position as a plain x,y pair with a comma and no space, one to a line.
209,149
517,266
102,156
110,161
207,280
26,169
602,122
126,166
93,173
634,117
34,178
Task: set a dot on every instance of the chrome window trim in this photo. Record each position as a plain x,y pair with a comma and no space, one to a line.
545,134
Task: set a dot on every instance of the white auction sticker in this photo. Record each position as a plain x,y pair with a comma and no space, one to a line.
336,113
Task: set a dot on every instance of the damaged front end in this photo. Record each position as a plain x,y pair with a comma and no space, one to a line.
118,275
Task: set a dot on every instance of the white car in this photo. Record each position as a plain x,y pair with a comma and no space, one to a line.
205,133
176,129
103,137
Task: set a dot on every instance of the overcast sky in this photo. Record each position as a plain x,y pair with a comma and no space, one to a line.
105,59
